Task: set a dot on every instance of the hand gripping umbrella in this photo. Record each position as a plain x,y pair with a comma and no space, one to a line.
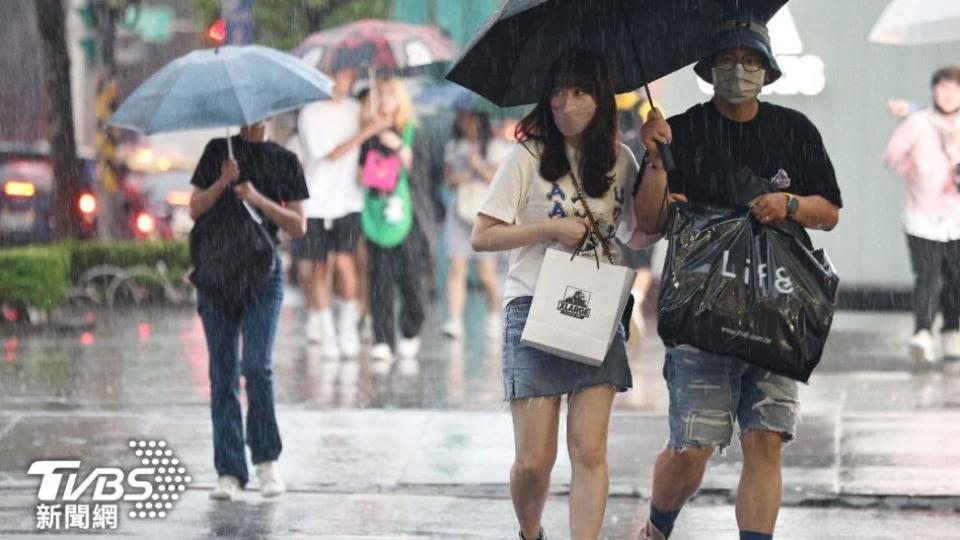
641,41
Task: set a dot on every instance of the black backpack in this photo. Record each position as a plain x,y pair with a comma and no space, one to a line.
232,259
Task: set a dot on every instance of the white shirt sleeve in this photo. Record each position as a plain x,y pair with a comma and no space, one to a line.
316,142
507,191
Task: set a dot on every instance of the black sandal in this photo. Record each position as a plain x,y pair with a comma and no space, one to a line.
541,536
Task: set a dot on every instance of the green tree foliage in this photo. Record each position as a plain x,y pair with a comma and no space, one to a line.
285,23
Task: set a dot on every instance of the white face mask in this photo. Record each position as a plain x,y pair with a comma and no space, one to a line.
738,85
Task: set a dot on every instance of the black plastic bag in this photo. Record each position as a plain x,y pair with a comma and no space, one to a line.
232,260
732,286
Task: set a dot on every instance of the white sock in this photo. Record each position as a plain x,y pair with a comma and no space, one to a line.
349,310
326,320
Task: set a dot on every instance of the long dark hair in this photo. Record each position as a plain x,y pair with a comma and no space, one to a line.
597,154
486,132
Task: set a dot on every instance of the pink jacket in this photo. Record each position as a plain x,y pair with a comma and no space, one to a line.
918,151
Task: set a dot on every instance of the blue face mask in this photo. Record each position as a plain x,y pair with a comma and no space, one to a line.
738,85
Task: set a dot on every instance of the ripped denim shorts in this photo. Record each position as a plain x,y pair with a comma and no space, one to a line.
708,392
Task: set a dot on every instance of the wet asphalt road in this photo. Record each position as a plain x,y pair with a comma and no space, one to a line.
423,452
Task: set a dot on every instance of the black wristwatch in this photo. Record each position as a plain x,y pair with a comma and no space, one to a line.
793,204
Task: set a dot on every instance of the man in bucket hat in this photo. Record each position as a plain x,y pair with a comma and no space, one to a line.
723,150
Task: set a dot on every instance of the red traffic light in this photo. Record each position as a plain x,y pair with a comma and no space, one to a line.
217,32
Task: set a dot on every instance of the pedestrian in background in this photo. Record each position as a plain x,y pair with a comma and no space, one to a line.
925,151
333,218
470,159
400,267
269,180
713,143
569,144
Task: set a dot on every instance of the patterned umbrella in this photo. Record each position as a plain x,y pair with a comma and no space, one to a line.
377,45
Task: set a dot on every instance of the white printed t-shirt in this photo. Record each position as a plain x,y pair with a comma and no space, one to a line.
334,188
519,195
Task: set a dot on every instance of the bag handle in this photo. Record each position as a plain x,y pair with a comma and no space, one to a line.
580,250
594,226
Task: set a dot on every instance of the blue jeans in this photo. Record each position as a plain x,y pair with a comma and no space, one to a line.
709,392
223,328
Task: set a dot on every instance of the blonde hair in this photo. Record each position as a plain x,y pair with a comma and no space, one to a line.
404,113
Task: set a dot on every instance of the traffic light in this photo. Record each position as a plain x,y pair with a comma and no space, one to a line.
217,33
88,39
88,15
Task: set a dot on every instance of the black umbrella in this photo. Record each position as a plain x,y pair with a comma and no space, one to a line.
641,41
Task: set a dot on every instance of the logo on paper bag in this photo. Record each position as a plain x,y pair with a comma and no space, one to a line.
575,303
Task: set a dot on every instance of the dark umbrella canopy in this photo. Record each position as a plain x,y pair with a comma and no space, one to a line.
641,40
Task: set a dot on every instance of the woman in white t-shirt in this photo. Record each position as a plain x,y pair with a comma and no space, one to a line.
531,205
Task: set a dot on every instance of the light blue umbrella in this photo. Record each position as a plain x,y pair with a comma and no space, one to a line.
228,86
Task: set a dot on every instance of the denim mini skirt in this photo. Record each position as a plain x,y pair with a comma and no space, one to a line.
529,372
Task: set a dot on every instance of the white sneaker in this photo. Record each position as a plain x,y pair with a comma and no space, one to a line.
271,484
228,489
381,358
331,350
408,347
453,329
950,341
381,351
921,348
314,329
347,329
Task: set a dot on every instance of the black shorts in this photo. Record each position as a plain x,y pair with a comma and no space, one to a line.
325,236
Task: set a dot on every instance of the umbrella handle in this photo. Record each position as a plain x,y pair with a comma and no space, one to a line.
666,156
253,213
372,76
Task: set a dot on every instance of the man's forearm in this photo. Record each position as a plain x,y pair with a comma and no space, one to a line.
289,219
650,204
203,200
816,212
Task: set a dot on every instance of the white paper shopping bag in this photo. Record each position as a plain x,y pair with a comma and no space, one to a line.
577,307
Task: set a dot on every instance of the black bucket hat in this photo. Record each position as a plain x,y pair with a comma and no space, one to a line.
740,33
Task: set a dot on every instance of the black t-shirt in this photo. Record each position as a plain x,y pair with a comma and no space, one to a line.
779,145
274,171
